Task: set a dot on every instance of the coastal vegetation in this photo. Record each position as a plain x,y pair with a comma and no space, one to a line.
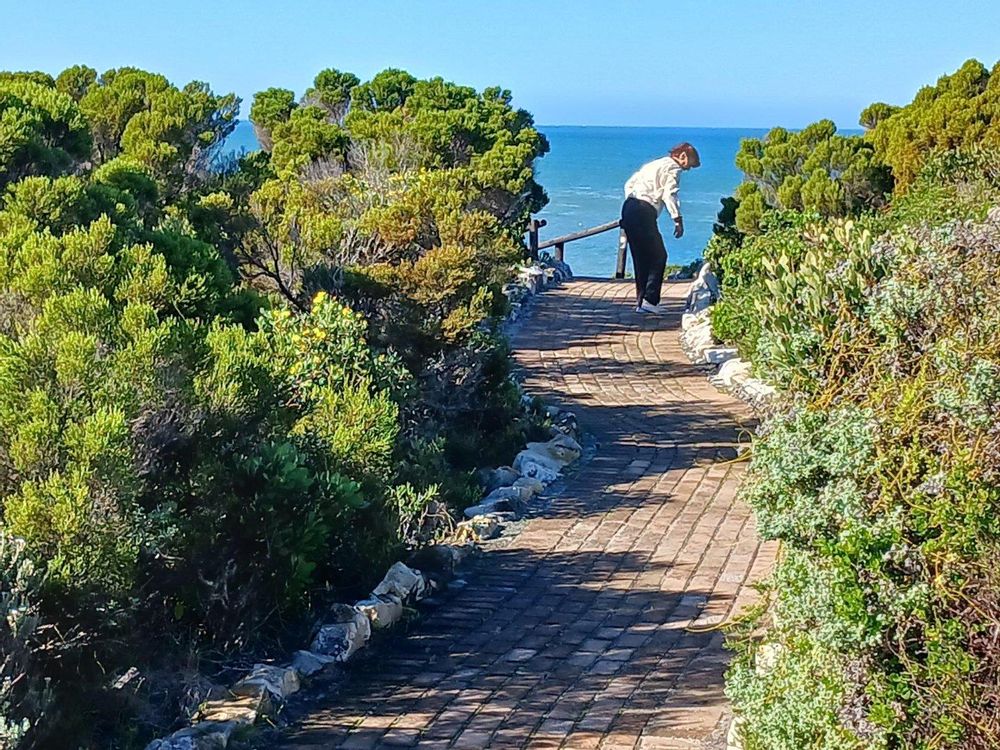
861,275
231,387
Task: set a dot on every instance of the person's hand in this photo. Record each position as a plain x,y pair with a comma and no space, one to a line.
678,227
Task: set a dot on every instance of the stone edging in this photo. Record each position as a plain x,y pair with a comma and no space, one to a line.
348,627
698,342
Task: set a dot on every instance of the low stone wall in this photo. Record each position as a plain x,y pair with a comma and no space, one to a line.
732,374
347,628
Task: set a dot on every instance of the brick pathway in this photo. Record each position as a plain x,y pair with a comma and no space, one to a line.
575,634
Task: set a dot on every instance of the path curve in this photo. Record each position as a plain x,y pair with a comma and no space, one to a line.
575,633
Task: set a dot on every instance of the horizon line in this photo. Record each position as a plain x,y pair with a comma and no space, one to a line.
698,127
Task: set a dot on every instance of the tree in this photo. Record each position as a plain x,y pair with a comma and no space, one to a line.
332,91
386,91
875,113
76,81
173,132
814,170
305,137
42,131
960,111
270,108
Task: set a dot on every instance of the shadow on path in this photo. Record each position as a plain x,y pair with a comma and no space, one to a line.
573,633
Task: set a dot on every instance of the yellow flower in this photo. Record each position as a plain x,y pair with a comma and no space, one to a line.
320,298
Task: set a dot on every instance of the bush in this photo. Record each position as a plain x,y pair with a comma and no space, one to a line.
42,131
228,397
881,487
958,113
813,170
880,324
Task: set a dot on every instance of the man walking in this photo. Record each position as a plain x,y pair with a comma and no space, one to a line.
650,190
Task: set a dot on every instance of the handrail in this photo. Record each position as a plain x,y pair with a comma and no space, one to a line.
559,243
580,235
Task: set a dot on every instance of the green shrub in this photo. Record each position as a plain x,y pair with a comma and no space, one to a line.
814,170
42,131
881,487
228,397
957,113
881,327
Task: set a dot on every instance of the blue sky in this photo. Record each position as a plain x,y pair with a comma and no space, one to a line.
698,62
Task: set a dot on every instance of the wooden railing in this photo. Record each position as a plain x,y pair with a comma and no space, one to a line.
559,243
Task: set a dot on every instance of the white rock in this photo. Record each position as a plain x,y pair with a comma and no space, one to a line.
306,663
532,485
690,320
718,355
699,301
342,639
533,277
382,611
703,291
533,466
512,494
567,443
206,735
241,710
502,476
536,271
485,508
731,372
401,581
514,292
543,458
280,682
501,500
565,424
733,740
558,452
479,528
700,331
708,280
696,340
757,390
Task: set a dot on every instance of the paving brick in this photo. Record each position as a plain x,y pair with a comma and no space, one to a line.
572,634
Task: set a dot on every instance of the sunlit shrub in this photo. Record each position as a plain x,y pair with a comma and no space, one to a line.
882,486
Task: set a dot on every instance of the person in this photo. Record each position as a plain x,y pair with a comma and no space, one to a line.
647,192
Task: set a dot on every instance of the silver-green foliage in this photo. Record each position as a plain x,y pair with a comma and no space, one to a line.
882,486
21,696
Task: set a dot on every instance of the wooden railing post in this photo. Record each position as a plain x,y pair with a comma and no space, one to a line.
533,228
622,244
560,252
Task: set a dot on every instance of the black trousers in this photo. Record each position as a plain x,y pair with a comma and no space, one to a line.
649,256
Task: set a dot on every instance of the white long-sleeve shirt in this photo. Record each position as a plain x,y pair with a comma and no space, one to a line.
657,183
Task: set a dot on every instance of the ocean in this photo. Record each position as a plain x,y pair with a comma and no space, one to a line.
585,172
